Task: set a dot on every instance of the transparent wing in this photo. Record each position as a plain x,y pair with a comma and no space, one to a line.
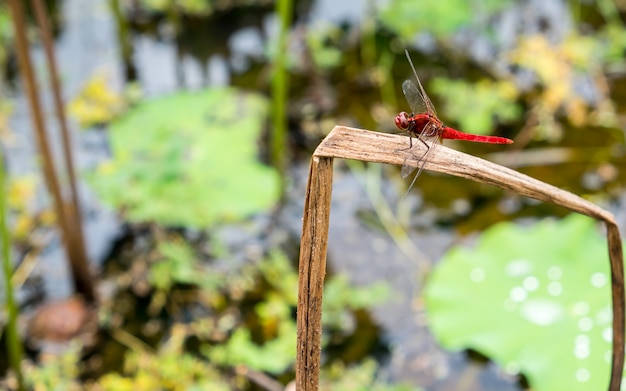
414,97
407,168
420,164
428,137
418,97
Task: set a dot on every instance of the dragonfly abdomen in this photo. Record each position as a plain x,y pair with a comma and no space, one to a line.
454,134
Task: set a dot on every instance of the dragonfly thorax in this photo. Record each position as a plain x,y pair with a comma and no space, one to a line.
419,123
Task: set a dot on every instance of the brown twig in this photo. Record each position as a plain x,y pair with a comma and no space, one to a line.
75,253
79,264
359,144
312,268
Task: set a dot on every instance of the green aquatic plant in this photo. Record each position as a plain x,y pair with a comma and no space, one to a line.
13,341
178,264
189,159
169,368
534,299
361,377
191,7
325,56
57,372
247,322
6,35
275,315
280,89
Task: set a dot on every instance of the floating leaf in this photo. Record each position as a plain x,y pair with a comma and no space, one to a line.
535,299
189,159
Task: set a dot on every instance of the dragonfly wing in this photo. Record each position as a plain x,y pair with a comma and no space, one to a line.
414,97
430,108
425,101
432,140
407,167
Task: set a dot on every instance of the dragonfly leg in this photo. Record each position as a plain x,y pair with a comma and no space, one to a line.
410,143
426,144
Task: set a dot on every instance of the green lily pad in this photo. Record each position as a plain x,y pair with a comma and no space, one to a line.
189,159
534,299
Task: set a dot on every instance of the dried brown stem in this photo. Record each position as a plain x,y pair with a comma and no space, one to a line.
359,144
311,272
80,266
75,252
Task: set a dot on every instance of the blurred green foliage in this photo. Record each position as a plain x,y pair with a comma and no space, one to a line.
6,34
189,159
177,264
55,373
279,152
325,55
336,301
530,297
231,340
362,377
10,306
171,368
407,18
614,39
275,316
224,341
275,356
478,107
192,7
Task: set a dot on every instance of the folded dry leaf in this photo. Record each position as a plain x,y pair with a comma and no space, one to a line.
358,144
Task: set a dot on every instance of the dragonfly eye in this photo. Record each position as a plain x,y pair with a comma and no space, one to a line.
402,121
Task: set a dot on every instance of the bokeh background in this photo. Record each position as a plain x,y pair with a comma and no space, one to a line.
173,266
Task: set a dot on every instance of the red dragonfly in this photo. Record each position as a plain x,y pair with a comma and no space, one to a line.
424,125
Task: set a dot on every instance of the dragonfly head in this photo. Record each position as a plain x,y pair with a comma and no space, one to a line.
402,121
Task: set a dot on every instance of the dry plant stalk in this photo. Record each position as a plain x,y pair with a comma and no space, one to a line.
67,214
359,144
